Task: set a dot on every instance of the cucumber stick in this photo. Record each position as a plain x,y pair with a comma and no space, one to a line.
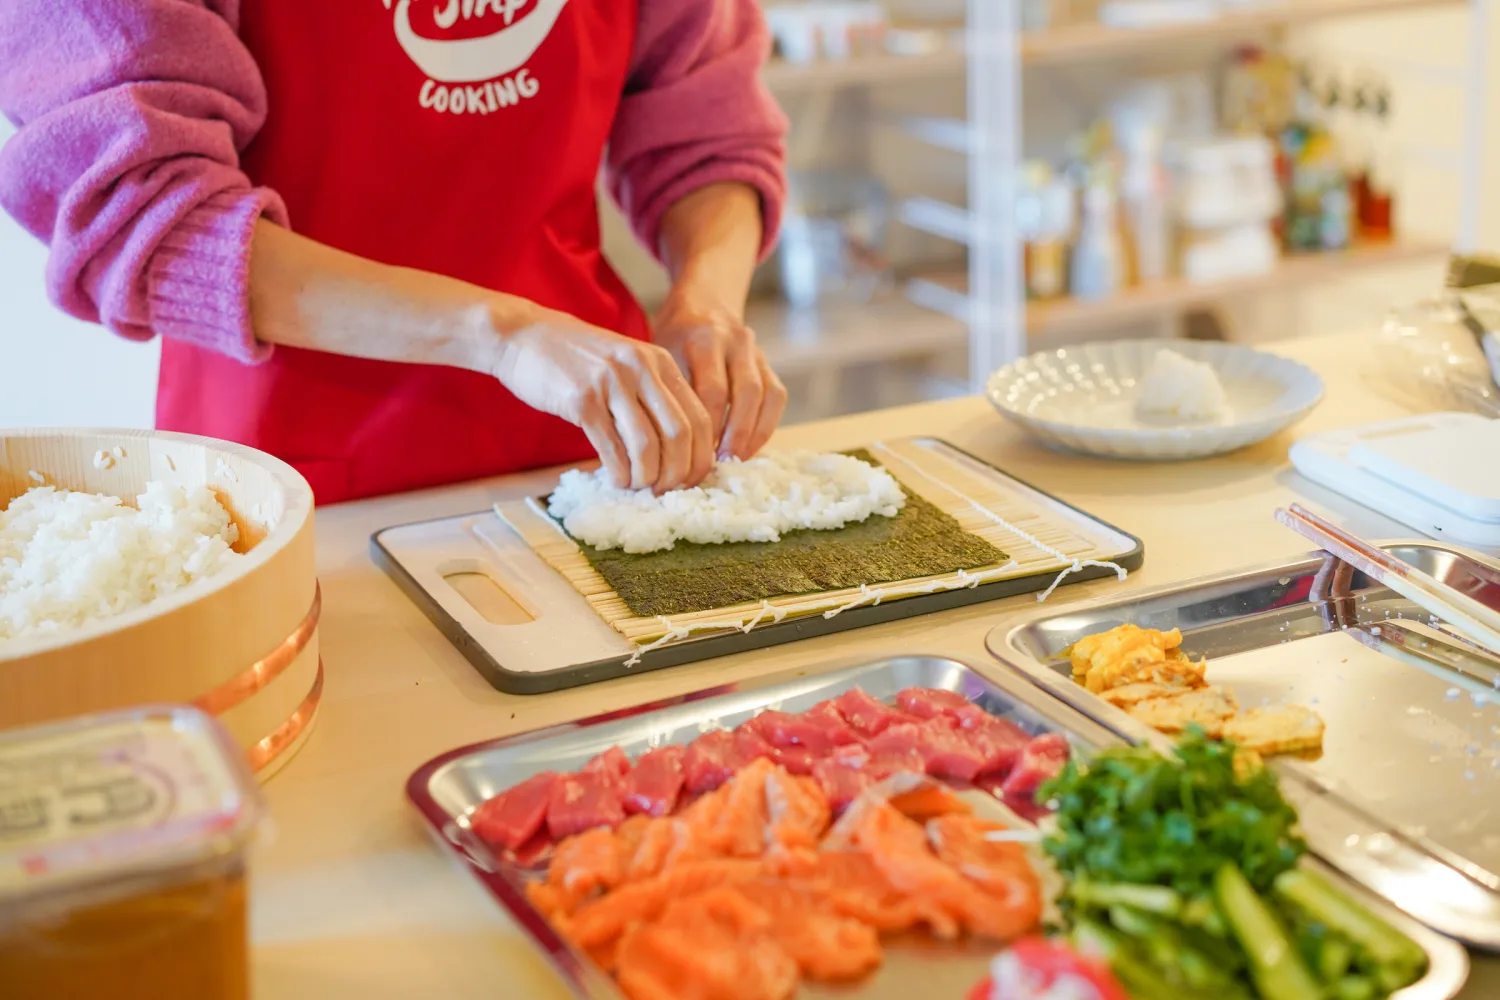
1275,965
1391,949
1140,979
1150,898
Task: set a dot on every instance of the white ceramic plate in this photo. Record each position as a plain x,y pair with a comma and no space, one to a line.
1083,399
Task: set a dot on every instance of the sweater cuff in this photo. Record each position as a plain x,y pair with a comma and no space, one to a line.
198,281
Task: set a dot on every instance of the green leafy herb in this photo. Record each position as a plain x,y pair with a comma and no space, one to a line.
1183,871
1131,815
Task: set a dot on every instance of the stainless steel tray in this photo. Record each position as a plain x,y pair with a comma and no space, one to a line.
447,789
1405,798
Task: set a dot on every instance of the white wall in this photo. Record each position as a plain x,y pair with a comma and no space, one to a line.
58,371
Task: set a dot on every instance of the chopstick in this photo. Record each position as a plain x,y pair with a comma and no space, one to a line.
1478,621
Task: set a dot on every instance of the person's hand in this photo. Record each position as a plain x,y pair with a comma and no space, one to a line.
742,395
629,397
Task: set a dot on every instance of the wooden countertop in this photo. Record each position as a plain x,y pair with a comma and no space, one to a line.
351,899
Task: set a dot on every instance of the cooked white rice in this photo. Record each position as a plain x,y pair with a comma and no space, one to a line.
68,559
754,501
1175,386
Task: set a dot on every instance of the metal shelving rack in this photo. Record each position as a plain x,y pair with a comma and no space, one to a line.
985,307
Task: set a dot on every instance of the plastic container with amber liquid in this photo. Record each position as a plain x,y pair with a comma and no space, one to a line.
123,841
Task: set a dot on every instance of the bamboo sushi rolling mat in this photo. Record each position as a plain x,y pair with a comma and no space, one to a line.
1038,537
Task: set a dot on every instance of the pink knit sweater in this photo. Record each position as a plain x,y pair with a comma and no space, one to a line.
132,115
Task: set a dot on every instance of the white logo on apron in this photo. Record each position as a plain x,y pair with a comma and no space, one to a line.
477,60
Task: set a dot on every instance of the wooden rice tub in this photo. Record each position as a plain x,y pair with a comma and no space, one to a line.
242,645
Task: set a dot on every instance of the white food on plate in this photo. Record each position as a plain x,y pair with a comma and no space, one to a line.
68,559
1175,386
754,501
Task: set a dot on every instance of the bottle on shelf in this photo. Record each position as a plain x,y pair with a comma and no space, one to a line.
1144,193
1045,221
1097,268
1376,204
1319,211
1359,147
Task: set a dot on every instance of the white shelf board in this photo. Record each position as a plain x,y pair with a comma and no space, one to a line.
838,335
1078,42
938,218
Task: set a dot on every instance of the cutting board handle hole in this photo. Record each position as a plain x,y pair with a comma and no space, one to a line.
486,595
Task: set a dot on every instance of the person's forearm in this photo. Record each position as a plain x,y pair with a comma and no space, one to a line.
309,295
710,243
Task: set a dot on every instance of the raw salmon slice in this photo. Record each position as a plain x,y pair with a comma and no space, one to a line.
923,804
999,868
900,850
547,900
602,920
854,886
797,810
712,946
825,945
584,865
740,829
703,812
666,842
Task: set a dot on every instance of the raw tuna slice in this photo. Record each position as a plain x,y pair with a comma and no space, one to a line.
613,765
797,760
837,728
929,703
948,750
653,787
713,758
709,761
998,740
583,801
1041,761
883,765
818,730
749,746
840,781
852,769
904,737
866,715
515,815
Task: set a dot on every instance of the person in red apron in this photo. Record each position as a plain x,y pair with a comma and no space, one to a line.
368,230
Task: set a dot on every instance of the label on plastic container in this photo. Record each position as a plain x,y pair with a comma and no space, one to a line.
128,793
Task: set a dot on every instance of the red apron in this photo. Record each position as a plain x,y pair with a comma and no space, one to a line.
462,137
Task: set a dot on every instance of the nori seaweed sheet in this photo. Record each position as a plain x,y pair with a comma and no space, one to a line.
919,541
